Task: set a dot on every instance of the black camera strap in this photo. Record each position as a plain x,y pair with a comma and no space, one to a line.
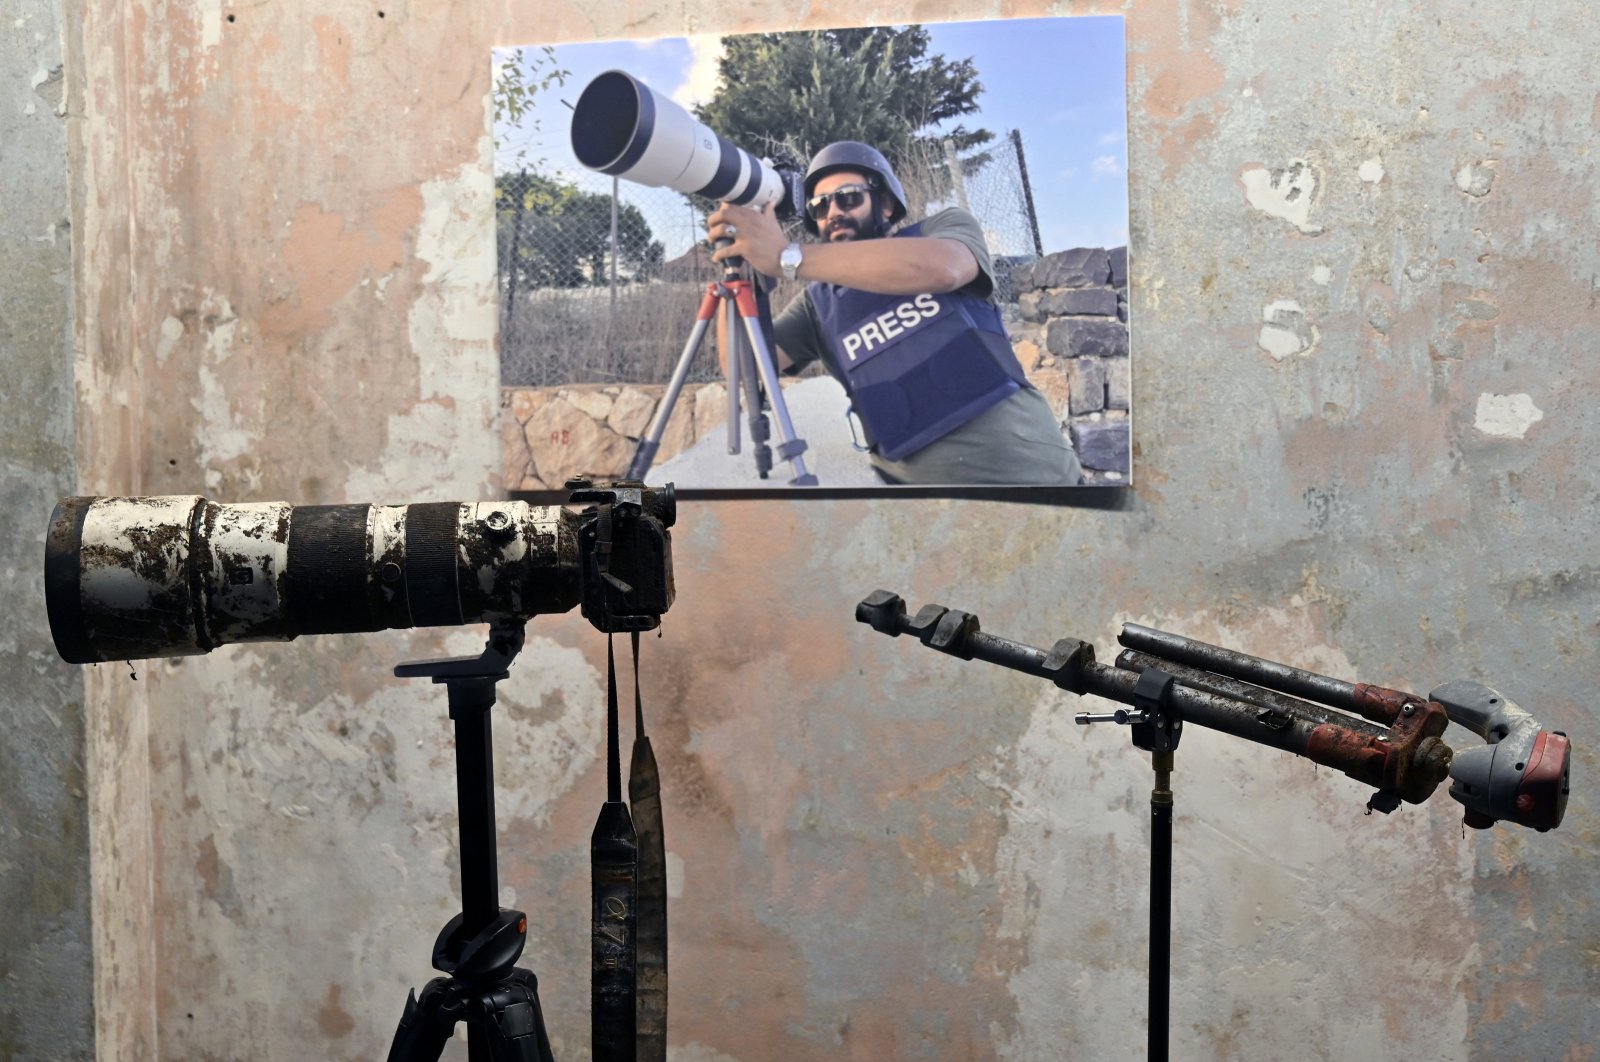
629,927
614,866
644,793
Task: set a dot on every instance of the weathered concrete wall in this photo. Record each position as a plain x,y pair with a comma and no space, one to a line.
1363,297
46,1002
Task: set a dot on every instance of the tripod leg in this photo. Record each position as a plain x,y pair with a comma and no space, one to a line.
734,358
755,409
423,1032
792,446
645,453
511,1028
1160,907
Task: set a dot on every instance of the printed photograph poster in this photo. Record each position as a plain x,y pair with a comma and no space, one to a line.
984,342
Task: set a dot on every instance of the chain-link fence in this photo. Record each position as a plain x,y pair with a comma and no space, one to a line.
600,279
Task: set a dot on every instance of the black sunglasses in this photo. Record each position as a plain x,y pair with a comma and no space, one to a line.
848,196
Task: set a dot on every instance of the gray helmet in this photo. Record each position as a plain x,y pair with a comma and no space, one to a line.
863,158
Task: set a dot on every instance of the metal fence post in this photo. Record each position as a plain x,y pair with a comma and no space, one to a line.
1027,192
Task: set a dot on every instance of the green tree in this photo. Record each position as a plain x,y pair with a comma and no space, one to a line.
516,85
554,234
878,85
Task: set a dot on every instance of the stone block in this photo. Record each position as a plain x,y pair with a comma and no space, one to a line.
1022,277
1118,259
631,411
526,401
516,462
679,434
566,441
1027,333
1052,383
711,408
1027,353
1119,389
1087,337
1122,307
594,402
1086,383
1081,267
1087,302
1028,306
1103,445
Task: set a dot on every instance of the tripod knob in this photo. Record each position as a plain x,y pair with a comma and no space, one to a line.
1121,716
486,955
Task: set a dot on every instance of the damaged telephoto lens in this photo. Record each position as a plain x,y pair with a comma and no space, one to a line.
132,578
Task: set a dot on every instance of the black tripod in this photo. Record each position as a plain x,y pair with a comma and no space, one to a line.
1157,729
478,949
751,366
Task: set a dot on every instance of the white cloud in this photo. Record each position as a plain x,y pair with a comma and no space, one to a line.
700,81
1106,166
1070,172
1116,136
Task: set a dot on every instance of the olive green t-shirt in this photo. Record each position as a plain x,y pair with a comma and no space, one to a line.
1017,441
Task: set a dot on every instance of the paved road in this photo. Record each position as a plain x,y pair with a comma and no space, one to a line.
817,408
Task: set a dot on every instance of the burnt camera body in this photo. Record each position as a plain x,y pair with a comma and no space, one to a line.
624,553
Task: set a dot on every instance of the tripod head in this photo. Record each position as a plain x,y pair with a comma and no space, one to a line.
1522,774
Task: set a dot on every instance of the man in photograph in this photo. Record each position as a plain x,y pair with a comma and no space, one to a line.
906,322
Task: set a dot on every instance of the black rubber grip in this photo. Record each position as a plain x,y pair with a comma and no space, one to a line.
752,180
431,563
63,563
325,579
727,174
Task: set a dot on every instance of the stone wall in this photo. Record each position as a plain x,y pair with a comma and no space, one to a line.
1072,338
550,433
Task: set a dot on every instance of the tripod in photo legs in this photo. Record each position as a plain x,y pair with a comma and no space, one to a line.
752,369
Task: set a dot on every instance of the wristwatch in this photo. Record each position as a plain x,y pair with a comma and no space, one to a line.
789,260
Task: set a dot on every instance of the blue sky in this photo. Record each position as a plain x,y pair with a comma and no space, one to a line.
1061,81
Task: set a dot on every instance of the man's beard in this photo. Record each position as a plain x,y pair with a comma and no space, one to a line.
872,229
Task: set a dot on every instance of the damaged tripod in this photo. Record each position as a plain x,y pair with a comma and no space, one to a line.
1391,742
752,369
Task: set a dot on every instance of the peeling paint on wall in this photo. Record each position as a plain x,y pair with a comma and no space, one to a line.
1475,179
1289,193
1287,330
1506,416
451,325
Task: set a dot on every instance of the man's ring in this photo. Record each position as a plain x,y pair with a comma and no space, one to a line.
729,231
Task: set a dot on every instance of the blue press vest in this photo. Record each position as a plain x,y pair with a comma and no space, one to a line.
916,367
